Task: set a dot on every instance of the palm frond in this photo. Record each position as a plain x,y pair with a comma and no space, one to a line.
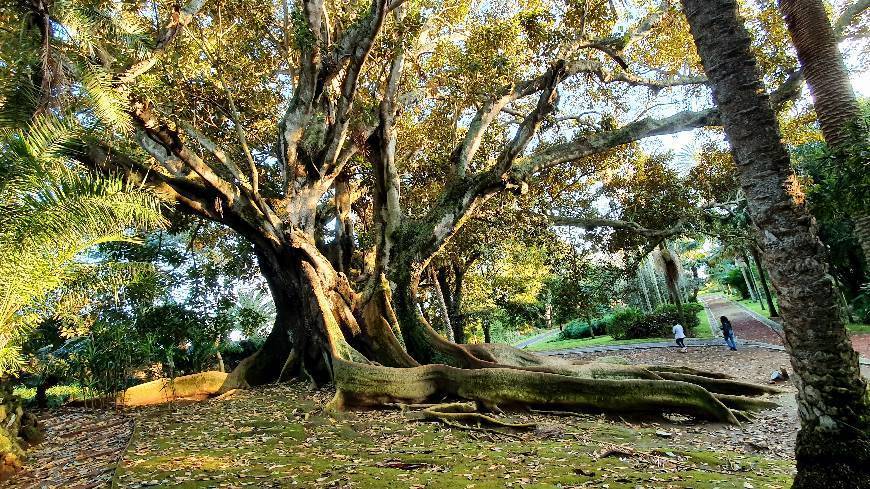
108,101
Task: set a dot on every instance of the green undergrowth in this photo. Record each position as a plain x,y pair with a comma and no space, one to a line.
278,437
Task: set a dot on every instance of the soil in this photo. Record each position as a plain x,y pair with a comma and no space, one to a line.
81,451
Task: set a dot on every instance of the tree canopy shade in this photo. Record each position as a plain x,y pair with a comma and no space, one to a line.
349,142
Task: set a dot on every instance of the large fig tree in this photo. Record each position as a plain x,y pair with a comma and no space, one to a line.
301,125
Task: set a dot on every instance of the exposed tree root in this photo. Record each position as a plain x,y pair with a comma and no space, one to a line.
360,385
687,370
465,414
197,387
722,386
744,403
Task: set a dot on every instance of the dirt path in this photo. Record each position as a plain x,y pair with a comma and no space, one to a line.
746,327
81,451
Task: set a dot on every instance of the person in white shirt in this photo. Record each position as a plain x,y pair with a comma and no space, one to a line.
680,336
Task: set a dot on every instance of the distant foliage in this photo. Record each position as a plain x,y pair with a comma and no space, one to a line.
631,323
579,328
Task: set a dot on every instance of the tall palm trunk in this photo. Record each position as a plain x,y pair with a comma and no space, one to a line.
823,68
749,285
751,274
756,257
832,449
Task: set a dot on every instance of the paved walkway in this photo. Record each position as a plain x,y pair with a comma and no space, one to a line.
747,325
81,451
534,340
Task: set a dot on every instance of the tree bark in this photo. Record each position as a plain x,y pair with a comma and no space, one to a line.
756,257
832,449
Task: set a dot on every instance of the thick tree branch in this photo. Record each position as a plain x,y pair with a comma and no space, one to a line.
850,13
181,17
597,222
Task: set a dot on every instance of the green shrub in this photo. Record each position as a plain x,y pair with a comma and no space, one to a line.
629,323
578,328
665,317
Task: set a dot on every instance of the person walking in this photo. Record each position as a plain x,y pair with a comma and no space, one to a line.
680,336
728,333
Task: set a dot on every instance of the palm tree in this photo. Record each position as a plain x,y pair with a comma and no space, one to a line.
51,212
832,448
836,107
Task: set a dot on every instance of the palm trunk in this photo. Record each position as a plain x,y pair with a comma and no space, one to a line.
671,278
343,224
642,284
823,68
756,257
655,282
831,449
862,232
747,281
751,273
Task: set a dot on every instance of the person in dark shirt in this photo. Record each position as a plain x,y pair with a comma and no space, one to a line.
727,332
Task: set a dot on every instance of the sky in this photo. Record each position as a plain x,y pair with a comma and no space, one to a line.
683,144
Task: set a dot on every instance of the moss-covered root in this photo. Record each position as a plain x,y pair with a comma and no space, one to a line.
687,370
499,355
464,414
745,403
194,387
359,385
723,386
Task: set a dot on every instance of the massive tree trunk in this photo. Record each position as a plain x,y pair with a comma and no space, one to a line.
832,449
822,64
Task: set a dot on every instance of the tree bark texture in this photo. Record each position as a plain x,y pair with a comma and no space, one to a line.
832,448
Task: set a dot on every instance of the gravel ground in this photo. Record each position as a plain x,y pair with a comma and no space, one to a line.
771,434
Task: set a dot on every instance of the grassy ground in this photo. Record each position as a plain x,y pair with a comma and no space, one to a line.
859,328
703,328
755,306
278,437
588,342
